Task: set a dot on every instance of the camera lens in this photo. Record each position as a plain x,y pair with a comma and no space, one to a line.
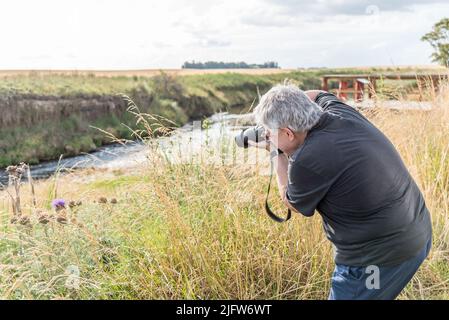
256,134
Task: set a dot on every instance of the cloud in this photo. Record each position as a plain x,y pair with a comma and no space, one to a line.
347,7
267,18
203,33
209,43
216,43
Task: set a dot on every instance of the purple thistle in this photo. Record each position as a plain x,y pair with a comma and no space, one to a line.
58,204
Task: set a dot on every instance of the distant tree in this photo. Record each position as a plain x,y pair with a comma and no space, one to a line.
227,65
439,40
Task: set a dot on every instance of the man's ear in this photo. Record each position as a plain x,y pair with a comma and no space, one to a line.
290,134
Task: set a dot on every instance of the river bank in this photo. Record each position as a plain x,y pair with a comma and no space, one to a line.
187,139
46,115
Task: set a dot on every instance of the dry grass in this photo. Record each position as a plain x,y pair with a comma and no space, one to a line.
198,230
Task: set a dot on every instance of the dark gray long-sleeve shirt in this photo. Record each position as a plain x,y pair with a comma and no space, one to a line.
348,170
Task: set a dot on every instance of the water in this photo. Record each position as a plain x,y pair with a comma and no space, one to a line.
185,140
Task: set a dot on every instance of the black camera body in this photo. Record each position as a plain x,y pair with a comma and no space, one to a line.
258,134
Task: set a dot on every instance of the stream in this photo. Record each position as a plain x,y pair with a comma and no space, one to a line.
187,139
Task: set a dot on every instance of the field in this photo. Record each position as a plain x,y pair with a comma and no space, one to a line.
198,230
139,73
183,72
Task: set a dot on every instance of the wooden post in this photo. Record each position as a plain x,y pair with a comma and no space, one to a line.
324,84
359,89
342,87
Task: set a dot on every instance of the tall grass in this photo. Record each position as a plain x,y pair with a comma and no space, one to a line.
198,230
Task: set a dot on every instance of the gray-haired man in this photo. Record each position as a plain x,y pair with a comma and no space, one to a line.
337,162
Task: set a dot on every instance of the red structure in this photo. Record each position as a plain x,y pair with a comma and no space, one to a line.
359,85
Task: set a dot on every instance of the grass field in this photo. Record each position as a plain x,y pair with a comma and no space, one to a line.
198,230
182,72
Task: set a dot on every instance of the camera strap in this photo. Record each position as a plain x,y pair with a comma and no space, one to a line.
270,213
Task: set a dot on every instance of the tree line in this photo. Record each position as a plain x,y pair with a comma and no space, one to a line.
228,65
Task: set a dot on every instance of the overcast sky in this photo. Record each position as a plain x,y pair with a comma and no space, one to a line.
138,34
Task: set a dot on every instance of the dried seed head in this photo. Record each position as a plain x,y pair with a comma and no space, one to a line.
72,204
14,219
114,201
102,200
79,202
17,171
11,169
24,220
61,219
43,218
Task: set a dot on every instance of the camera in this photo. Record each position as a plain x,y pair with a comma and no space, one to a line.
256,134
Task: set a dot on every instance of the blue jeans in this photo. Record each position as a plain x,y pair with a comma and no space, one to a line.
374,283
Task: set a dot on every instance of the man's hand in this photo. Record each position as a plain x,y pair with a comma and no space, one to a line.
281,165
261,145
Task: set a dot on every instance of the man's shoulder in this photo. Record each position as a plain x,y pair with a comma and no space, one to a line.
332,104
316,154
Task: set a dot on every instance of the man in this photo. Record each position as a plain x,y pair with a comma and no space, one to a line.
333,160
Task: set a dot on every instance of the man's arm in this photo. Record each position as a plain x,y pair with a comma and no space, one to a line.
281,162
281,165
312,94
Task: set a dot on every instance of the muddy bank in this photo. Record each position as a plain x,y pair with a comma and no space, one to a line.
29,109
35,127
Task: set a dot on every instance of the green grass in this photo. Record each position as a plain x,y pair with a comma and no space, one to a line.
66,85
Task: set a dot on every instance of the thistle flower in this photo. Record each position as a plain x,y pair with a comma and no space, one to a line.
58,204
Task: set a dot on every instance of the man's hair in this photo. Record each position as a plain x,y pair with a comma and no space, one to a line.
285,105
